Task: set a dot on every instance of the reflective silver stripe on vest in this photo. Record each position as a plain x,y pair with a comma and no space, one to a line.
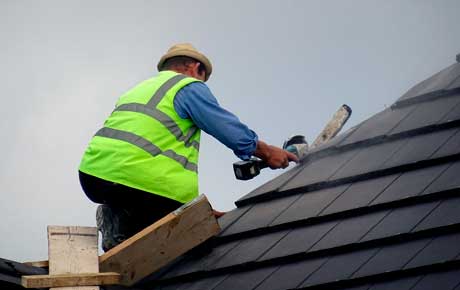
163,119
151,110
161,92
145,145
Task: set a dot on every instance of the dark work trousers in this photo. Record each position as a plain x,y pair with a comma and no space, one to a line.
134,209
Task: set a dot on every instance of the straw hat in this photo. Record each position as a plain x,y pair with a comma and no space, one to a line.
186,49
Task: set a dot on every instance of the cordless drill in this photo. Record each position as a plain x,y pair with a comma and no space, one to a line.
248,169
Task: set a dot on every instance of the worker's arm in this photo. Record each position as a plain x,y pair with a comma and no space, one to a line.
195,101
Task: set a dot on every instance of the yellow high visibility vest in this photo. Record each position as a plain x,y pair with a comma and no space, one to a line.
145,144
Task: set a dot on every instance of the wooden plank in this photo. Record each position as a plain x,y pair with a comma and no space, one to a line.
73,250
39,264
161,242
67,280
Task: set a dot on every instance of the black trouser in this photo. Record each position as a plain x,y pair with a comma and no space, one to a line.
141,208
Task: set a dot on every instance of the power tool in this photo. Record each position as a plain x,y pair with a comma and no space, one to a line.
248,169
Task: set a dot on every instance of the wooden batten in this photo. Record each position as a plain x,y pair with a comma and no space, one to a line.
39,264
162,242
70,280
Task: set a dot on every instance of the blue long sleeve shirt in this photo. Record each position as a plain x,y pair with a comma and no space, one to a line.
196,101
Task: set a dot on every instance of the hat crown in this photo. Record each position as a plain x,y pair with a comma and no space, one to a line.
181,46
186,49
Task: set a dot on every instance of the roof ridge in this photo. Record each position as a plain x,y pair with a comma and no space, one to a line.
426,97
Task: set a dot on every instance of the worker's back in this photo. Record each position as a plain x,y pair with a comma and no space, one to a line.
145,144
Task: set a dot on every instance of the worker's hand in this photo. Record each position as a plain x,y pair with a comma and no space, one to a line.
217,214
275,157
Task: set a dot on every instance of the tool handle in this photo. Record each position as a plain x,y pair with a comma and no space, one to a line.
262,164
334,126
249,169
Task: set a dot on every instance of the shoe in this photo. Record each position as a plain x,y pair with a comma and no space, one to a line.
109,222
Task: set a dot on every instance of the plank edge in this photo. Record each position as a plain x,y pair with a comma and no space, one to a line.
70,280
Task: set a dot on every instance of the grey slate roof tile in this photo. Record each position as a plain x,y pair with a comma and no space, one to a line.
446,213
420,147
427,113
173,287
378,125
273,184
339,267
291,275
310,204
452,146
299,240
231,216
454,114
391,258
202,262
399,284
244,280
205,284
250,249
349,230
445,280
360,194
410,183
260,215
441,280
400,220
440,249
369,159
447,180
319,170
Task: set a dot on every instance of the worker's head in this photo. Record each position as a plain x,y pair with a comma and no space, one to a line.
185,59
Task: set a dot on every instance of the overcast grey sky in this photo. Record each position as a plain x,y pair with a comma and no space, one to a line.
282,66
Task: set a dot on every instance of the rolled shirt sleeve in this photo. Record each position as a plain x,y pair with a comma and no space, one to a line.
196,101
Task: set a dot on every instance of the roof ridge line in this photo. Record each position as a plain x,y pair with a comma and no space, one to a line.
426,97
386,241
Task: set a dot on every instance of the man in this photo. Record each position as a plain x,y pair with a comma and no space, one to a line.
143,163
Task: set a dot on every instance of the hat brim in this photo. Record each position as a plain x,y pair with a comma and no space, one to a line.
193,54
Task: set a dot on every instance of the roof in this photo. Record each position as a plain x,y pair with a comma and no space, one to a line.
11,272
378,207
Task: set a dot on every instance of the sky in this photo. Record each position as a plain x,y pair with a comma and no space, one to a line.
283,67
